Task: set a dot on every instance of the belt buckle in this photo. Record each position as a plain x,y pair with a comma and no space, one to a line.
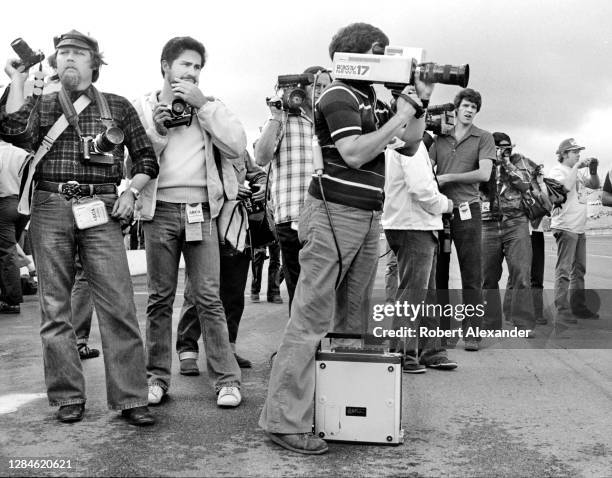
71,189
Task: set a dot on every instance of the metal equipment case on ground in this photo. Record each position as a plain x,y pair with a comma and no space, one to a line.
358,396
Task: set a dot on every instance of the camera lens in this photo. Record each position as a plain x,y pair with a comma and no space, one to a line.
178,106
444,74
106,142
296,98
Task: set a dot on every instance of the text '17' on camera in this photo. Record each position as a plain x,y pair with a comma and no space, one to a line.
396,68
293,88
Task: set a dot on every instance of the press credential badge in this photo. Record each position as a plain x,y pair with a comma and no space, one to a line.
464,211
89,213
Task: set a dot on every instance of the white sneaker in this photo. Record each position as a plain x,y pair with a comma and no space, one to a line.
156,394
229,397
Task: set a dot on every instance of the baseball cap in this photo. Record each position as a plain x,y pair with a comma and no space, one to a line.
502,139
568,145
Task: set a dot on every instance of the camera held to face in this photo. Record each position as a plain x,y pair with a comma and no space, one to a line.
98,150
28,57
181,112
396,68
293,92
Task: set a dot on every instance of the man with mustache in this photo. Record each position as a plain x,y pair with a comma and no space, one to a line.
75,189
180,209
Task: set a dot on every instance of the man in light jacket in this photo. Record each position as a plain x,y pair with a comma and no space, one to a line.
182,205
412,215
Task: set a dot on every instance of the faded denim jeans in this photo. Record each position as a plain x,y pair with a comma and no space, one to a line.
82,305
509,239
55,241
569,271
289,407
164,243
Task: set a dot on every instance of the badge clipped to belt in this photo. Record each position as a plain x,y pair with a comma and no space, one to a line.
464,211
193,224
89,212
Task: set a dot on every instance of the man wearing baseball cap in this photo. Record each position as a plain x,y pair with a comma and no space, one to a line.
75,207
568,225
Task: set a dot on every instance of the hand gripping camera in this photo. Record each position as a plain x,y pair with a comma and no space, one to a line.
28,57
293,91
396,68
181,114
98,150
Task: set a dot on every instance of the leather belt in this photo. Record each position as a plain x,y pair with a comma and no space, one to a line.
74,189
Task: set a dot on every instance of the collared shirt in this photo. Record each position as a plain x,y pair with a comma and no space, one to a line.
291,167
345,110
452,156
64,161
412,198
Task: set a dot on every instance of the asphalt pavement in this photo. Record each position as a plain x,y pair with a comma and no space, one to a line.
539,408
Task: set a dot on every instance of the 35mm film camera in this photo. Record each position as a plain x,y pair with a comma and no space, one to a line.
293,88
181,114
396,67
28,57
98,150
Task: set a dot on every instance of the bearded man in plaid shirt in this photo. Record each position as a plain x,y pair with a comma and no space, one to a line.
286,140
66,178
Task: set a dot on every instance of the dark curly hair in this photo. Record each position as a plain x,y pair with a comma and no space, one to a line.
177,45
357,38
97,60
470,95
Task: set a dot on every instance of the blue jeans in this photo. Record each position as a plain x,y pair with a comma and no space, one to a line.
164,243
569,271
55,241
416,261
290,246
289,404
234,273
509,239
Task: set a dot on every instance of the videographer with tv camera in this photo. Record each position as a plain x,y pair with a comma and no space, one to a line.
81,133
339,226
196,138
286,142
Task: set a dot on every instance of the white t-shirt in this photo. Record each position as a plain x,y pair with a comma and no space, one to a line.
572,215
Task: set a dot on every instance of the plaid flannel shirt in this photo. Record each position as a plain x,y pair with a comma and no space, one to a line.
27,128
291,167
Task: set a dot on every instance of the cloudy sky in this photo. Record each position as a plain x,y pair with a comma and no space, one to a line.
543,67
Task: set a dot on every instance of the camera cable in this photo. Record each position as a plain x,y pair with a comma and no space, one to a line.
319,166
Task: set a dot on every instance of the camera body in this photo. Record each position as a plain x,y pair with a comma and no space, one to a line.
396,68
253,207
440,119
293,91
98,150
28,57
181,112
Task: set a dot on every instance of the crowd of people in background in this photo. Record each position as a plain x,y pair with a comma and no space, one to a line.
185,167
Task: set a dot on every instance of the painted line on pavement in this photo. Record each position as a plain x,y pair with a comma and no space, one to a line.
10,403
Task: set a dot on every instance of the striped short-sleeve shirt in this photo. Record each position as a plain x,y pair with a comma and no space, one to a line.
345,110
